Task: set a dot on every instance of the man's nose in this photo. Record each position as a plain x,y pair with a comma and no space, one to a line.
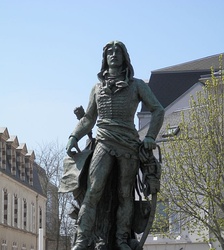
114,53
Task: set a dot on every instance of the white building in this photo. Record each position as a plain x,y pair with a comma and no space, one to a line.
22,202
173,87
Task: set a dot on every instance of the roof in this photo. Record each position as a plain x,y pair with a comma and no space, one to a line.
168,87
36,182
13,141
4,133
171,82
202,64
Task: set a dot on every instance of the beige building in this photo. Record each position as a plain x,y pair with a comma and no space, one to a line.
22,202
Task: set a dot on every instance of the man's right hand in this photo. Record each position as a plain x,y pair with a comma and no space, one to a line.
72,143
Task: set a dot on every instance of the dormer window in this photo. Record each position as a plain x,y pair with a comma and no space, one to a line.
171,131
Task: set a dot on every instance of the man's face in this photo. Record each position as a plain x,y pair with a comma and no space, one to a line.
114,56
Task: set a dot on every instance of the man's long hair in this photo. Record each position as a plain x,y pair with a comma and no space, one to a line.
126,64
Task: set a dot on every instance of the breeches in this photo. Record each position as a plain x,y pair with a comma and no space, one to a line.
100,169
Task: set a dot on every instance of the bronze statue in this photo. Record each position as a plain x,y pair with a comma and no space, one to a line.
112,106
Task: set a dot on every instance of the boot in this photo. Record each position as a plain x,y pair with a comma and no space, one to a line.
122,246
79,247
122,242
82,243
84,230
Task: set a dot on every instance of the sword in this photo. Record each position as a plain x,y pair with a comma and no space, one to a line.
157,172
150,222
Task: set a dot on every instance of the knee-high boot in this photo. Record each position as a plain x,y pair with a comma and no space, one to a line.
85,221
124,221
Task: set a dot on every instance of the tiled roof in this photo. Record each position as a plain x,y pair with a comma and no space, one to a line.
170,83
170,86
202,64
36,182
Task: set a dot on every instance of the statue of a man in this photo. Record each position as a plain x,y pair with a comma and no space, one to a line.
112,106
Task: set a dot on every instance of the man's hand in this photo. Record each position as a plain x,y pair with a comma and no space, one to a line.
72,143
149,143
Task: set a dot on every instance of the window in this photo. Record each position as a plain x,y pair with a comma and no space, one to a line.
15,210
33,218
24,213
175,221
40,218
13,169
23,247
22,174
161,222
14,246
171,131
3,161
5,206
31,175
4,245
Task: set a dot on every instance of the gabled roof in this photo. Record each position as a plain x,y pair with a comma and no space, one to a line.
31,155
171,82
22,147
13,140
4,133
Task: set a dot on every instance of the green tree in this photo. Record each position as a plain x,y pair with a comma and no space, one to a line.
193,172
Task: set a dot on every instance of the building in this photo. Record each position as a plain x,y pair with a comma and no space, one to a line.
23,203
173,87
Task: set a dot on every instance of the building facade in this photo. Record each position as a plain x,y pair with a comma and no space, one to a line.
22,202
173,87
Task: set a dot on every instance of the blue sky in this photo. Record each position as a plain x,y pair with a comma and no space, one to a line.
51,52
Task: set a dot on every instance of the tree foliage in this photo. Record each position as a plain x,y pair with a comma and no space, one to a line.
193,174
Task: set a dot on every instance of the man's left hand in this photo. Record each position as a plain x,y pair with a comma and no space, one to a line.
149,143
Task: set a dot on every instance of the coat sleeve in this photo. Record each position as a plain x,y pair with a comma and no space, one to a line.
153,105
